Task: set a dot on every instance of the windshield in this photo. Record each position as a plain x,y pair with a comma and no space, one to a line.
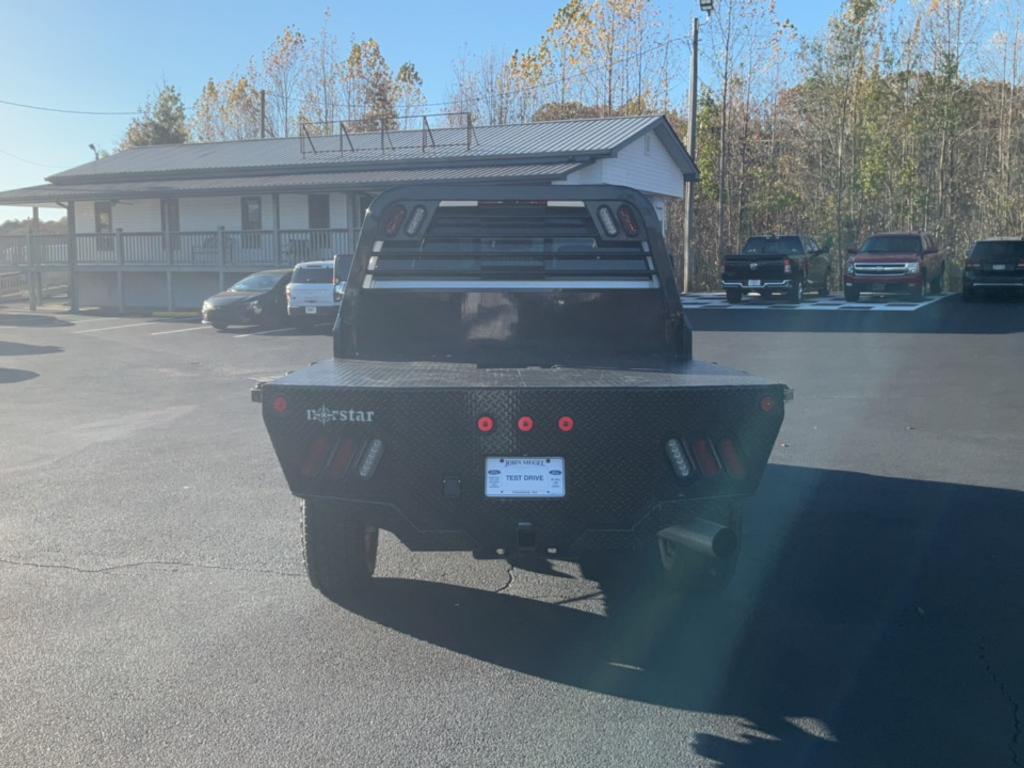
773,246
320,273
257,283
1012,250
892,244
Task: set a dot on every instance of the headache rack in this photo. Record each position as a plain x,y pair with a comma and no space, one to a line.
511,244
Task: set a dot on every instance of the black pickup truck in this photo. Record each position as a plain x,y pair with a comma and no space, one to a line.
787,264
512,376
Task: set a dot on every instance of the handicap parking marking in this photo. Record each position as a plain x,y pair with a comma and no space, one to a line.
816,304
115,327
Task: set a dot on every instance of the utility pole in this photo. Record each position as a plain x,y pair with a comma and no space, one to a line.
692,147
263,114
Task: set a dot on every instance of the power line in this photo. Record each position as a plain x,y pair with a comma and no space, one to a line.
64,111
26,160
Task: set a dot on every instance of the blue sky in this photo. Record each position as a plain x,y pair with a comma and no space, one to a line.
110,55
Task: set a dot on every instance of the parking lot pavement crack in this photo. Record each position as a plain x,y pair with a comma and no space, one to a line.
1015,708
145,564
508,583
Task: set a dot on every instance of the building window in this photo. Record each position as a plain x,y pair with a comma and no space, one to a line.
252,213
104,215
360,202
319,211
252,222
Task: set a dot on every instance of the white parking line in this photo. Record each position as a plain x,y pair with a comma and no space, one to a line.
261,333
179,330
114,327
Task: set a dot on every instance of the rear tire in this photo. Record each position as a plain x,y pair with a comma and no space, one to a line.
340,551
852,295
733,295
796,294
219,326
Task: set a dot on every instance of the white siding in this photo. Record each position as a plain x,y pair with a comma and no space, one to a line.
646,166
205,214
85,218
294,212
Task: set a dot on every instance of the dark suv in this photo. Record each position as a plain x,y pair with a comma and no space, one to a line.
994,265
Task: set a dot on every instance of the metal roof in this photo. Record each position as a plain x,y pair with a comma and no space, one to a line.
537,151
298,182
544,141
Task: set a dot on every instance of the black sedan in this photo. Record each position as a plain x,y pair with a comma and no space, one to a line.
254,300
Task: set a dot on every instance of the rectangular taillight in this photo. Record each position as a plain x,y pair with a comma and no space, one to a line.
704,454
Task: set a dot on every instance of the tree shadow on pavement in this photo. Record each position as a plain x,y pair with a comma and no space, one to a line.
848,637
17,348
15,375
25,320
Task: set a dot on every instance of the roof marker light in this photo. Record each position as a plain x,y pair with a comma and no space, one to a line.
566,423
280,404
419,213
393,219
768,403
604,214
485,424
628,221
525,423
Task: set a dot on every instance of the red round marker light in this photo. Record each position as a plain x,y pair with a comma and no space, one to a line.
767,403
566,423
280,404
485,423
525,423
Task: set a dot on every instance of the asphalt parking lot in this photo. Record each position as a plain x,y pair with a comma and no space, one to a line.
154,611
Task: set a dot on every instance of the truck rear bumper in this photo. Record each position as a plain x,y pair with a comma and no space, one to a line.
758,285
402,446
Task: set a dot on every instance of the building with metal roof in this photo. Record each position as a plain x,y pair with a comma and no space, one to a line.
166,225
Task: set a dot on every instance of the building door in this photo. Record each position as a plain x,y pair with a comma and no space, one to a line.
170,223
319,225
104,216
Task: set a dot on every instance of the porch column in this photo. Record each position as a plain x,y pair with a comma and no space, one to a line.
72,258
35,277
277,228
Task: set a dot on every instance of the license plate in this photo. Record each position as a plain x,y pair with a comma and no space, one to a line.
524,477
878,288
310,310
999,267
754,283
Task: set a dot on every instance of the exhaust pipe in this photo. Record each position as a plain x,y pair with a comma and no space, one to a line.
703,536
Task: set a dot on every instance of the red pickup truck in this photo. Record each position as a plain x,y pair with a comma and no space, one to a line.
895,262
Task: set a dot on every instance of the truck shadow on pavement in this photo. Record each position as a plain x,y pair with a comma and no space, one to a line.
951,315
17,348
853,632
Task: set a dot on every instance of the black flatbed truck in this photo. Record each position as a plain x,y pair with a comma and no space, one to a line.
512,375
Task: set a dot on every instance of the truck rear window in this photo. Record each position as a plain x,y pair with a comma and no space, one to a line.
323,274
512,246
773,246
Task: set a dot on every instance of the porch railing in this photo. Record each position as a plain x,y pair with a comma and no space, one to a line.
232,249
